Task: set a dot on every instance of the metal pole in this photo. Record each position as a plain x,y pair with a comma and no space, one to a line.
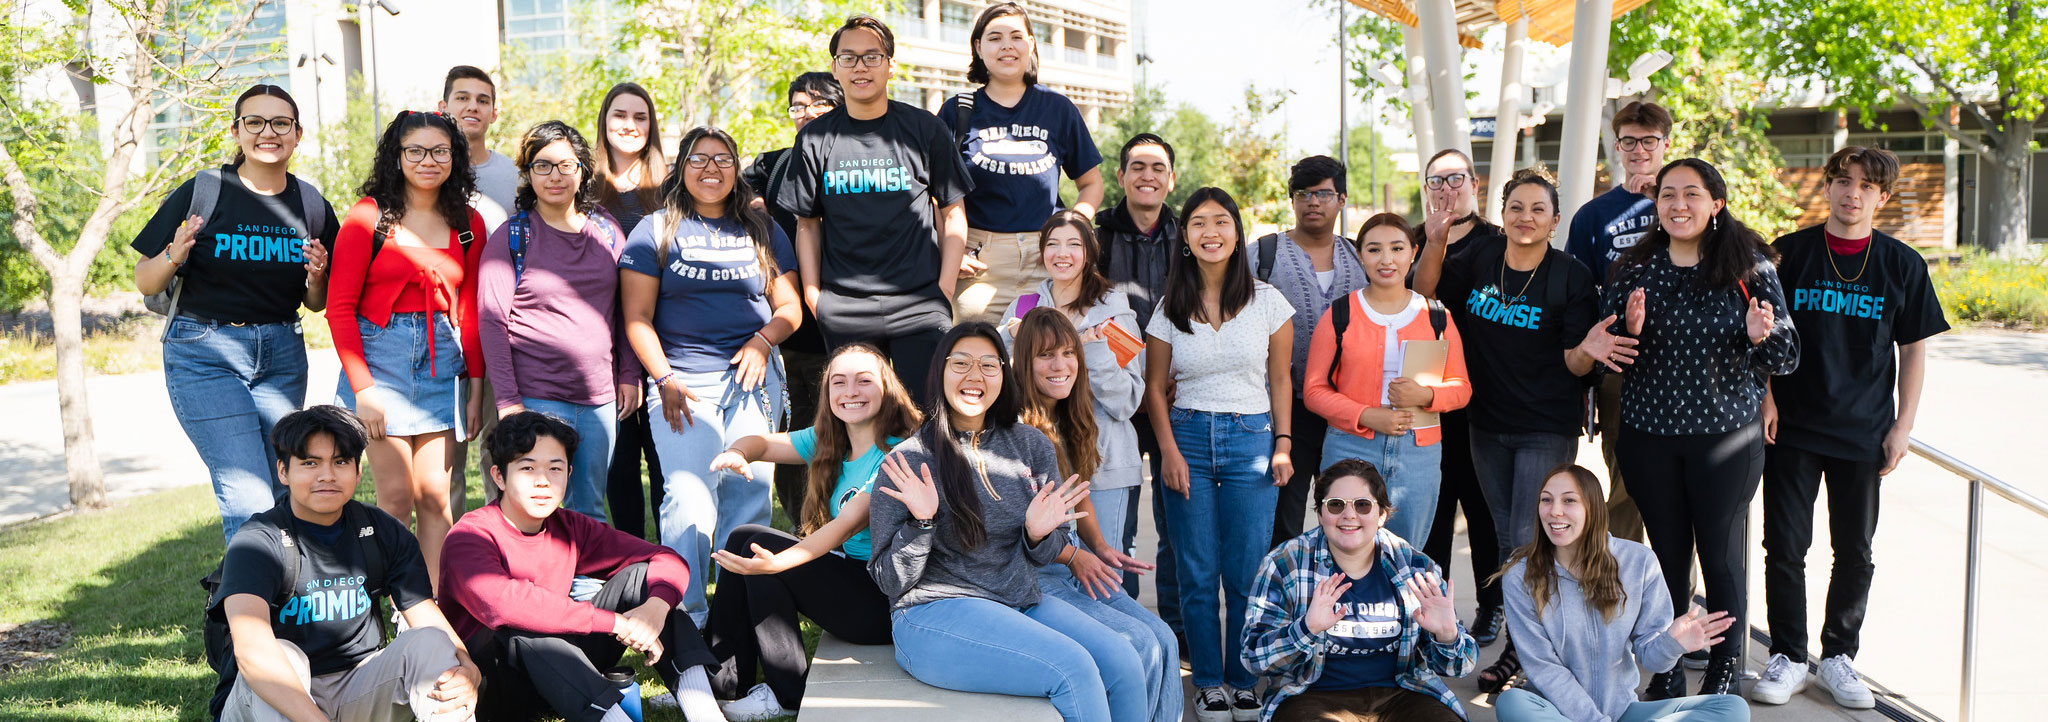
1343,110
376,68
1971,577
1507,118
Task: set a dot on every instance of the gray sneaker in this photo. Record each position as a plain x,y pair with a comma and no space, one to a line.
1841,680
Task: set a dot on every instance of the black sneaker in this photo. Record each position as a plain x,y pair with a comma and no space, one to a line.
1486,627
1666,685
1245,706
1724,675
1695,660
1212,705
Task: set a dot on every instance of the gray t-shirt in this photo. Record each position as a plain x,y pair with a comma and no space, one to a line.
497,183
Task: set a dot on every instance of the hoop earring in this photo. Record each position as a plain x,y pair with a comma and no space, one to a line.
1185,252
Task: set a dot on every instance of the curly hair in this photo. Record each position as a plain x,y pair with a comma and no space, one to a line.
386,184
540,137
677,204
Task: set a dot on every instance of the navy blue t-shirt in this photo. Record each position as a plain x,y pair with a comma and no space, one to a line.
1608,225
1015,156
714,295
1365,646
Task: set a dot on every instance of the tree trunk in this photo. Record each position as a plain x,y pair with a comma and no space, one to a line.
2008,216
81,465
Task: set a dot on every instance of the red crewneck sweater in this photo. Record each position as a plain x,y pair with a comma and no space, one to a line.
493,576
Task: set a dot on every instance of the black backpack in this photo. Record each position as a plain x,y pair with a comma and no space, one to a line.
311,213
220,648
1340,318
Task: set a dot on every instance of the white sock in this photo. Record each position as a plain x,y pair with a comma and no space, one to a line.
616,714
695,697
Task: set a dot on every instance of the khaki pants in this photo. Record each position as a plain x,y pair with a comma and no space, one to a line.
389,686
1624,521
1014,269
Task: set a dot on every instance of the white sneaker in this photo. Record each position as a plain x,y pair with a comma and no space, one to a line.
665,701
1842,681
1212,705
1782,679
759,704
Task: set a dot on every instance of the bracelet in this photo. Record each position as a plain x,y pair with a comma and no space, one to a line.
925,524
1288,437
175,263
663,381
764,339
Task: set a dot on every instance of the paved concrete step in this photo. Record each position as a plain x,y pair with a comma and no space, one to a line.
862,683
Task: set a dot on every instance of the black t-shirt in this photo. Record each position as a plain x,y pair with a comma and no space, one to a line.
1839,401
330,614
759,176
1515,336
245,266
873,183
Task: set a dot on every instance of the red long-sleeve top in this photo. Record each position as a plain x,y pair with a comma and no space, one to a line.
402,279
493,576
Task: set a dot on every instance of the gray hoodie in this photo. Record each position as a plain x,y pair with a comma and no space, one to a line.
1119,390
1582,664
914,566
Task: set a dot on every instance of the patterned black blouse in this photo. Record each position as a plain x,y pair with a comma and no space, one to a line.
1697,372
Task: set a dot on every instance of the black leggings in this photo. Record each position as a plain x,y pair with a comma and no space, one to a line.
1694,491
622,484
1460,489
528,674
754,617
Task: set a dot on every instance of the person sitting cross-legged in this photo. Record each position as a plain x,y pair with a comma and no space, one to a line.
506,581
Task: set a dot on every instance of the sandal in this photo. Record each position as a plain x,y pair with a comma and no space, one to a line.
1501,674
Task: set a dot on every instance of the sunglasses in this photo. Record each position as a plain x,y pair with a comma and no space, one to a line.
1363,505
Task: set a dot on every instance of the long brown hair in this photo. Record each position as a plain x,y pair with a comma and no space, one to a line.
739,204
897,418
652,163
1598,573
1069,422
1094,285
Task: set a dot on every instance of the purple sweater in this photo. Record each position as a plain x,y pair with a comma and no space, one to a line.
537,330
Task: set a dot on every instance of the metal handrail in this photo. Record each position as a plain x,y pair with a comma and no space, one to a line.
1979,481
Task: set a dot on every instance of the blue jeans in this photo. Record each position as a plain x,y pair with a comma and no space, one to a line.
1520,705
701,507
1112,507
1147,634
1510,469
1049,649
1220,533
596,427
229,384
1414,475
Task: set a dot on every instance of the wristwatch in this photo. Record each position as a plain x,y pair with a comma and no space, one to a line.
925,524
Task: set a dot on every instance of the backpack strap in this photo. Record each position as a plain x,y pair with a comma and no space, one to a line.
1555,283
1438,318
314,207
1269,248
516,232
612,233
1340,318
368,545
963,114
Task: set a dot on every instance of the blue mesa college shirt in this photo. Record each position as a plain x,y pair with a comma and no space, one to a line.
1608,225
1015,156
713,293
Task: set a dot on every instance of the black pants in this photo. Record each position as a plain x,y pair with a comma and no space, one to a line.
801,382
1165,572
754,617
528,675
1792,479
906,331
622,484
1460,489
1307,454
1694,491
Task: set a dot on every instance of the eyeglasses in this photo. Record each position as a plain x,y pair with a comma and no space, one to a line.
1454,180
1364,506
441,153
872,60
541,167
959,363
1321,196
697,160
280,125
1648,142
798,110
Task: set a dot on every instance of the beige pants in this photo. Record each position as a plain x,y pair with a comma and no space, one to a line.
1015,268
1624,521
389,686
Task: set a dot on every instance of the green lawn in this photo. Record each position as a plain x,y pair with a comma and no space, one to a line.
126,580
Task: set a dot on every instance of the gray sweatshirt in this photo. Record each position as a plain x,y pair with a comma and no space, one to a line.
914,566
1119,390
1583,665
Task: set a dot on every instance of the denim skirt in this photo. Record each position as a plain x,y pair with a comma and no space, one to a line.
416,362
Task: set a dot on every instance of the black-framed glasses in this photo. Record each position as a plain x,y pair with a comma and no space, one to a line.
441,153
1647,142
541,167
1454,180
280,125
960,363
697,160
1363,505
1319,196
798,110
872,60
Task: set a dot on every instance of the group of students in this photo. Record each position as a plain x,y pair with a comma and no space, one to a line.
988,373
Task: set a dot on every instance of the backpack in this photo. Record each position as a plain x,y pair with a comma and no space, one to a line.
963,114
205,197
1340,318
377,240
220,647
1269,249
522,224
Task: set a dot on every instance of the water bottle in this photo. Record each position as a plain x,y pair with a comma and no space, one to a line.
623,677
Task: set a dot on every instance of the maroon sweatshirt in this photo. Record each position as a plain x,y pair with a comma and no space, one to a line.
493,576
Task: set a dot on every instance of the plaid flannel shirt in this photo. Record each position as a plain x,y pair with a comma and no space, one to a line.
1277,642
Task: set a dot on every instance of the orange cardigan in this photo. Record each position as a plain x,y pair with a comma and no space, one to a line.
1358,376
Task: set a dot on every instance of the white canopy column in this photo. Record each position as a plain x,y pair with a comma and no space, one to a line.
1438,20
1506,118
1418,78
1588,91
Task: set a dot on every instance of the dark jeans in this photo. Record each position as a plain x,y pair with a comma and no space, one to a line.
1511,469
1694,490
754,617
622,483
1166,573
529,675
1792,478
1461,490
800,384
1307,454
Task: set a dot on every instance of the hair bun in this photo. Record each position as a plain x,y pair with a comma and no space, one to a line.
1536,172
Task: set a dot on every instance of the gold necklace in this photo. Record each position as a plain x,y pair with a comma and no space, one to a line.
1525,284
1867,243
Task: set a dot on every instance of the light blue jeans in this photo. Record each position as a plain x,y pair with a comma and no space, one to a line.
596,427
1112,509
1520,705
228,385
701,507
1049,649
1220,529
1147,634
1414,476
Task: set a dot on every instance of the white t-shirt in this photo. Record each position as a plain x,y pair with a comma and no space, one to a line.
1325,278
1390,364
497,183
1224,371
